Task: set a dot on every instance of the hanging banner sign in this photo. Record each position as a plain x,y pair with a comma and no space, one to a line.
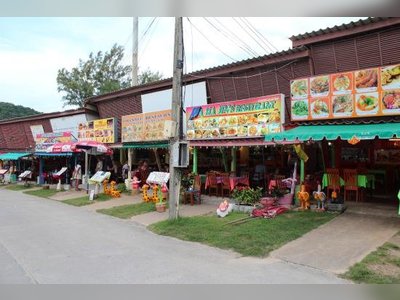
145,127
45,140
102,131
243,118
362,93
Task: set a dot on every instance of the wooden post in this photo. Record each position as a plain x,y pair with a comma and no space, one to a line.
157,159
234,159
175,173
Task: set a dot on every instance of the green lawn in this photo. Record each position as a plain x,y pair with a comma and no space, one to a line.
129,210
42,193
256,237
19,187
380,266
81,201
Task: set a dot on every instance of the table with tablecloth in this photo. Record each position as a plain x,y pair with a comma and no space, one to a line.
233,181
363,180
273,183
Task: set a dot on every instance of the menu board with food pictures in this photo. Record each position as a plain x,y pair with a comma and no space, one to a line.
102,131
45,140
360,93
243,118
145,127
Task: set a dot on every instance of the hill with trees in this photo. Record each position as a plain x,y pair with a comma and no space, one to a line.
9,111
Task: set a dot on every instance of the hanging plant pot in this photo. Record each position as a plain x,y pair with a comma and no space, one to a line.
161,206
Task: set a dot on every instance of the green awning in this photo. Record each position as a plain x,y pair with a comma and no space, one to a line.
149,145
13,155
332,132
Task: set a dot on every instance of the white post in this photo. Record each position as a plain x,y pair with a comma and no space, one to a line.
135,51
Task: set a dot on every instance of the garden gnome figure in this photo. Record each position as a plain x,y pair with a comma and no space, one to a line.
224,208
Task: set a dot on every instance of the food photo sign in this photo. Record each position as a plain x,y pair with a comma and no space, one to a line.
145,127
361,93
102,130
45,140
253,117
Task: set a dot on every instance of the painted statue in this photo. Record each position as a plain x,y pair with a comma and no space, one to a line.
320,197
304,198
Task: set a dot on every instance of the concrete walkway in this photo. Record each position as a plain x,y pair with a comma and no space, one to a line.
184,211
337,245
123,200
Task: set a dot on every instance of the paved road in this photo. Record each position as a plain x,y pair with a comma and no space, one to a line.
44,241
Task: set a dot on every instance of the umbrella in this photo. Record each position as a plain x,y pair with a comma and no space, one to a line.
94,148
63,147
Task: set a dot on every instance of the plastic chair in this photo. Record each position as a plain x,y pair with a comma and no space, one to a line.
212,183
350,182
225,184
333,180
195,194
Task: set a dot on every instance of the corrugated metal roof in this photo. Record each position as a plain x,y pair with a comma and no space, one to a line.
203,72
361,22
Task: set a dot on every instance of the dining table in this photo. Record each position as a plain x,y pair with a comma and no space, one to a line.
233,181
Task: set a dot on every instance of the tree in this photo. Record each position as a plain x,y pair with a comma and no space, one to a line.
148,76
100,74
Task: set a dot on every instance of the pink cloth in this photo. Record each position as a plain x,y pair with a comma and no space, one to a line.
233,181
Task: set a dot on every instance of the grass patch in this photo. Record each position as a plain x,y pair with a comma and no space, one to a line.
19,187
129,210
379,267
256,237
82,201
42,193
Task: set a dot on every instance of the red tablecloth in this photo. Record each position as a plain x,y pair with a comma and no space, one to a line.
233,181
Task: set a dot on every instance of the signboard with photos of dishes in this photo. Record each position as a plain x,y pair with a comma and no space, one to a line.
102,131
45,140
145,127
243,118
369,92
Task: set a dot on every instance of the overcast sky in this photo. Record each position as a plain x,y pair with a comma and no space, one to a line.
33,49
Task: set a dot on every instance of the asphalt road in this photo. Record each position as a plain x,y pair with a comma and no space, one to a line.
44,241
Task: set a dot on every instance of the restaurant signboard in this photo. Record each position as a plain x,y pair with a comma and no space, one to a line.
45,140
362,93
102,131
145,127
242,118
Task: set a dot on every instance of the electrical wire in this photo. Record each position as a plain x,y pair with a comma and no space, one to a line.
227,55
259,34
251,36
248,50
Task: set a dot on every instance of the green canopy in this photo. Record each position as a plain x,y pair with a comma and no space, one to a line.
149,145
332,132
13,155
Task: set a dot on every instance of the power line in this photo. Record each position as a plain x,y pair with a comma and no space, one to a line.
251,36
248,50
259,34
227,55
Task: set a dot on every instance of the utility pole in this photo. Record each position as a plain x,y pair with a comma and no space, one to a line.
175,172
134,81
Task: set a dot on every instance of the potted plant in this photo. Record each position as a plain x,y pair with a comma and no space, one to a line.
161,206
187,182
246,198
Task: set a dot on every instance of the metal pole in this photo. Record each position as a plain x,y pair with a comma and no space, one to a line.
195,160
175,173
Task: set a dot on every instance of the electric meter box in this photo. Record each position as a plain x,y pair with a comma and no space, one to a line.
180,154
